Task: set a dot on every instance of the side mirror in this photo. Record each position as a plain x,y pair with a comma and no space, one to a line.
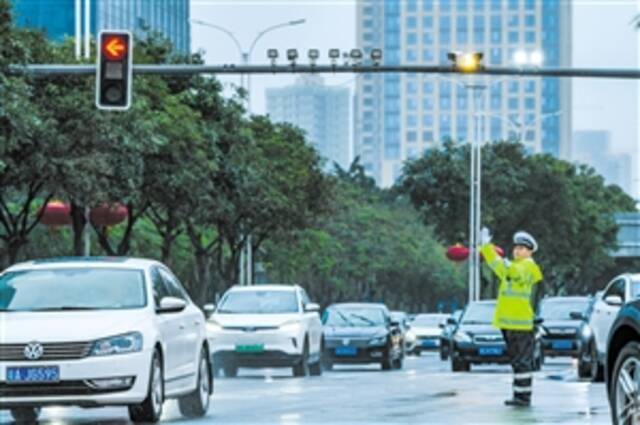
577,315
171,305
441,325
312,308
613,300
209,309
452,321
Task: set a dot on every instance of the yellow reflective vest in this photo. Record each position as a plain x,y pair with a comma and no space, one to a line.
517,278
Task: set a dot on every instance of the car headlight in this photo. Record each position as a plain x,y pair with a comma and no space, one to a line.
410,337
586,331
119,344
462,337
213,326
381,340
290,327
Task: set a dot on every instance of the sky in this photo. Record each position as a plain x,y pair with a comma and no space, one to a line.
329,24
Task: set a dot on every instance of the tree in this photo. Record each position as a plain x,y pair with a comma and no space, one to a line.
568,208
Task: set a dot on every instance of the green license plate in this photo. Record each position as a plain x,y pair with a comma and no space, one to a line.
254,348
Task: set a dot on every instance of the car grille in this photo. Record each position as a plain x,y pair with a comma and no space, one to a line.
51,351
562,332
488,339
250,328
64,388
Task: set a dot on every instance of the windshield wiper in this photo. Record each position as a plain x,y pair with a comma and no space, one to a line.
345,318
364,319
65,308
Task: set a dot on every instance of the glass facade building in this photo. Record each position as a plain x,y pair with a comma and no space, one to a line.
57,18
321,111
398,117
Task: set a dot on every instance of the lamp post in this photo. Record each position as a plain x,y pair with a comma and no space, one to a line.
470,63
246,256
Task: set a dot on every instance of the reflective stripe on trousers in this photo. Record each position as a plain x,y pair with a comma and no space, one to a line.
520,351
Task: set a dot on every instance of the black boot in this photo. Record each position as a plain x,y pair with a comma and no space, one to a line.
518,402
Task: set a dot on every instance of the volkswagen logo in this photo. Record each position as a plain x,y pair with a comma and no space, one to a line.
33,351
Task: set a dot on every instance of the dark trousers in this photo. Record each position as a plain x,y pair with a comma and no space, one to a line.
520,350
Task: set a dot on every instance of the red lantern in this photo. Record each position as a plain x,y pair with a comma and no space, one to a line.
498,251
108,215
56,213
457,253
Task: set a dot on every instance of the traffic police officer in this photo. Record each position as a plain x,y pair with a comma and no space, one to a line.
518,297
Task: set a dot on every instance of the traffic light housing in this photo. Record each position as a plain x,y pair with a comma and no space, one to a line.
114,70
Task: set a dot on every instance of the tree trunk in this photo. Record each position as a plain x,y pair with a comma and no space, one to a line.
13,248
204,282
78,222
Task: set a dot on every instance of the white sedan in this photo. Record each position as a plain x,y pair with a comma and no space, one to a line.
100,332
266,326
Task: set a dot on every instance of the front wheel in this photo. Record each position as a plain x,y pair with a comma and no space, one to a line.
625,387
302,369
25,415
585,364
597,368
150,410
196,403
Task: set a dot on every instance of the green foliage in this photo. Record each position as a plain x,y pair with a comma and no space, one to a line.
568,208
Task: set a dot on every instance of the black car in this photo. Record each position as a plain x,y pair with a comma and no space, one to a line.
622,368
567,331
361,333
446,338
476,341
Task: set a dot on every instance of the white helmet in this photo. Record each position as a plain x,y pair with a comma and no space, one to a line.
525,239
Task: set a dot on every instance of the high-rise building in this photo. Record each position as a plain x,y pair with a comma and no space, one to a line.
593,147
321,111
57,18
400,116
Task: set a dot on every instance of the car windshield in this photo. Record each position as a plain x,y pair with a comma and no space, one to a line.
72,289
259,302
353,317
561,310
479,314
428,321
635,288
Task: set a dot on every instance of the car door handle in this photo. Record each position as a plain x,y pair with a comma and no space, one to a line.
196,323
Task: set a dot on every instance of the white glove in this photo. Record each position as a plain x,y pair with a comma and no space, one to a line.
485,236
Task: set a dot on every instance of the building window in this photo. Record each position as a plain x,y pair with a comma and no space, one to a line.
412,5
427,22
427,136
496,56
367,141
427,120
513,21
427,5
445,5
513,103
445,102
462,36
368,10
513,37
530,4
530,20
427,55
411,87
427,103
412,22
530,37
513,87
368,36
513,4
530,103
427,87
368,88
496,5
496,36
412,104
367,127
412,136
462,5
530,86
427,38
411,55
368,23
496,102
462,102
412,38
392,152
368,101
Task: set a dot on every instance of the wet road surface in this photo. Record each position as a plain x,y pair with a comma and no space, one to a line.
425,391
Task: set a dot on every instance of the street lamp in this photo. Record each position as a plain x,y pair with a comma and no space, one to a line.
468,62
246,275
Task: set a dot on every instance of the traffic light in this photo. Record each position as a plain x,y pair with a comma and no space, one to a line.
113,70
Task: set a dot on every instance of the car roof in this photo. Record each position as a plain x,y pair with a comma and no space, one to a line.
264,287
567,299
85,262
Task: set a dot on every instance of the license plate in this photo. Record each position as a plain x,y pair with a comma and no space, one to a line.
430,343
346,351
562,345
30,375
250,348
490,351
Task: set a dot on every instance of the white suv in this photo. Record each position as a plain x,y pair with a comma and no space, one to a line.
97,332
620,290
266,326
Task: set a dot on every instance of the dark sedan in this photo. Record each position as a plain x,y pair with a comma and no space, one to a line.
476,341
361,333
567,331
622,371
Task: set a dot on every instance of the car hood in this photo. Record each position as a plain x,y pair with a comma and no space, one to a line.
253,320
81,326
354,332
554,324
479,329
426,331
